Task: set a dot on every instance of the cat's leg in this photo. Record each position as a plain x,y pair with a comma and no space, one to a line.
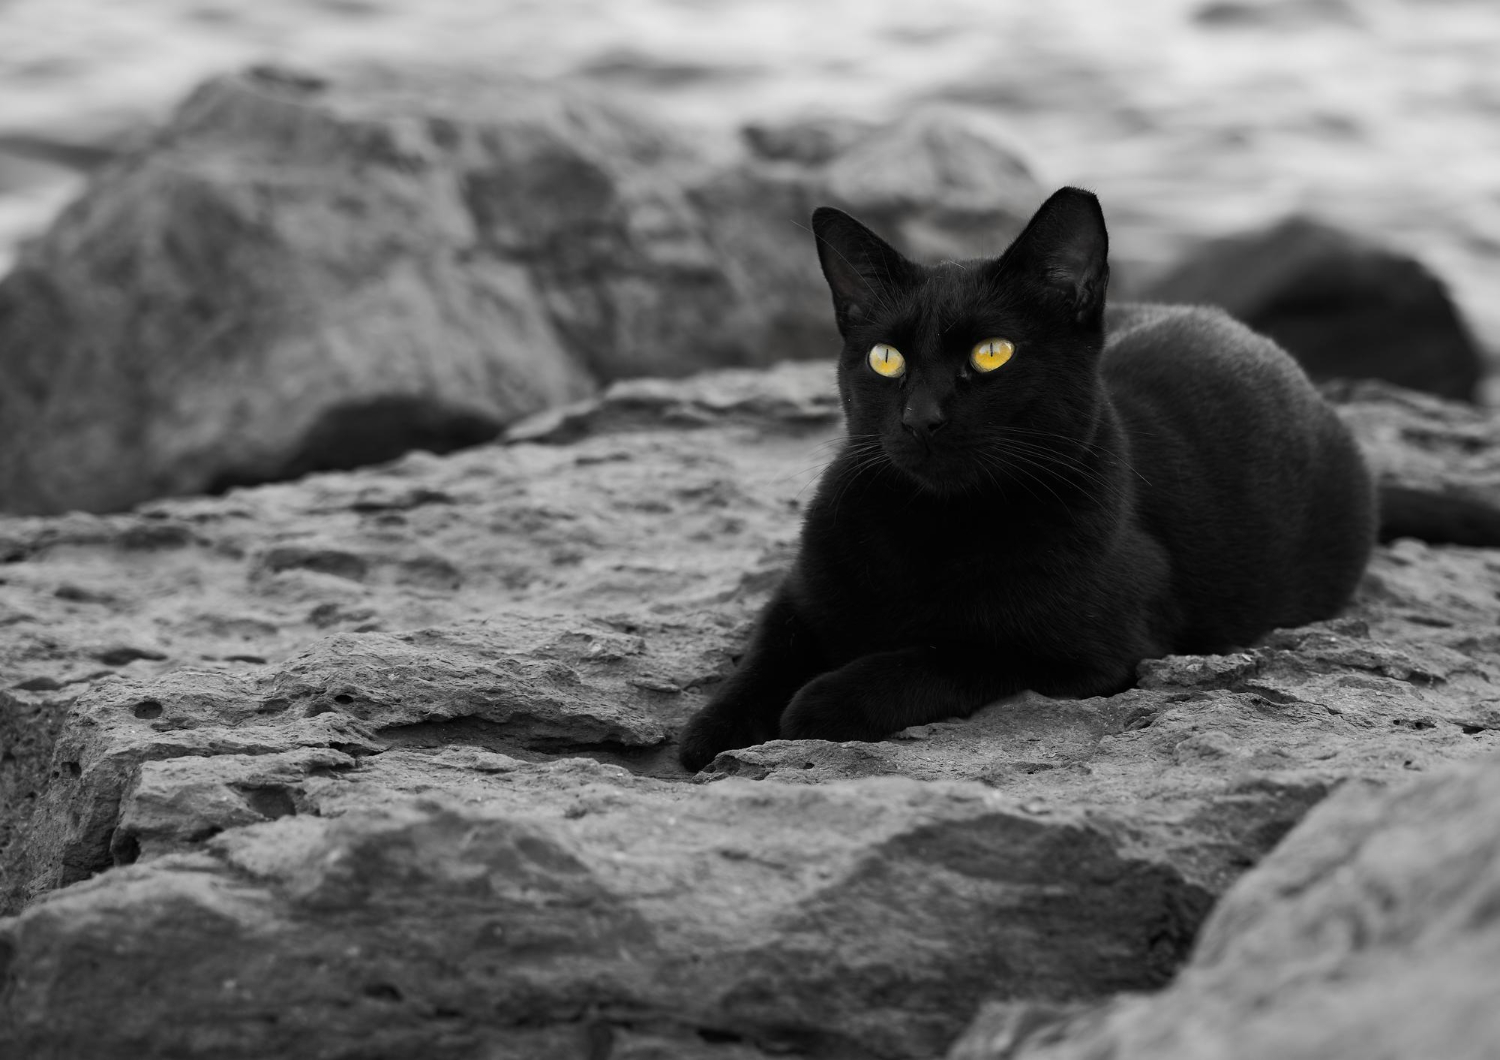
876,695
782,656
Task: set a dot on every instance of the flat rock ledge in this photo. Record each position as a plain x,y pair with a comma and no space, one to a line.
381,763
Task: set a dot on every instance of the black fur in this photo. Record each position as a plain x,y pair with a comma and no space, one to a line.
1130,484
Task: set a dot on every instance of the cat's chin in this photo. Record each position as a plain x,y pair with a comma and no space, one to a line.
936,471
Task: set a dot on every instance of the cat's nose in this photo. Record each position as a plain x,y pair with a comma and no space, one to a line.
923,417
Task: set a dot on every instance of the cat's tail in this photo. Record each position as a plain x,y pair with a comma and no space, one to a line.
1437,518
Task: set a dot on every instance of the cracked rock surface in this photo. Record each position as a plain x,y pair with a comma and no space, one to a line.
380,763
1372,931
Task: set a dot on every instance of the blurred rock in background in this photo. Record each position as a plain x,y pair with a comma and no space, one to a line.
296,275
1343,306
1192,120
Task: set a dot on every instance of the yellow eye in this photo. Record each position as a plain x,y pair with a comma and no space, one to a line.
887,361
991,354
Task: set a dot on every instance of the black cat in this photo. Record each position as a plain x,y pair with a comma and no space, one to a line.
1037,493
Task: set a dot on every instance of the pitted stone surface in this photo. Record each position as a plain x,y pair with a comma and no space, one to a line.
1371,931
336,764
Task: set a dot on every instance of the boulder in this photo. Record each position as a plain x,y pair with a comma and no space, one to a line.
1277,15
1371,931
298,274
1343,306
381,762
525,910
942,182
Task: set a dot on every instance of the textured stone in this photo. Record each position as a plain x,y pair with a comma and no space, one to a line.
571,892
1414,439
318,741
542,597
1372,931
519,683
1221,753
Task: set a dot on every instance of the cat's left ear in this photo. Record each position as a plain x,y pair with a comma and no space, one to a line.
1065,247
863,270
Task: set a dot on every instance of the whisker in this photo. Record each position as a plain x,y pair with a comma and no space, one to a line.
1078,443
848,484
1064,459
1019,465
1051,460
858,445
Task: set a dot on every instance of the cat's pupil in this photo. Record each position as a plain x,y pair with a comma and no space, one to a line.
886,360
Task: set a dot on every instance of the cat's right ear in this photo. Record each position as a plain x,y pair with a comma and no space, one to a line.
863,270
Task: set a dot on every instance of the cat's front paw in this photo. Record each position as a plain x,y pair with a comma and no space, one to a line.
709,732
827,708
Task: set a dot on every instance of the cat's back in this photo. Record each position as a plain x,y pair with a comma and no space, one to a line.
1197,371
1196,350
1245,473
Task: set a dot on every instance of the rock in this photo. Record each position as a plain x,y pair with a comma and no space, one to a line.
943,182
527,684
1216,756
274,284
566,893
28,732
299,274
811,141
1343,306
1371,931
389,767
1276,14
56,151
779,394
1416,440
535,605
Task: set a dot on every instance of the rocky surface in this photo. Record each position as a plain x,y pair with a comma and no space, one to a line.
381,762
1416,440
524,909
299,274
1371,932
1345,307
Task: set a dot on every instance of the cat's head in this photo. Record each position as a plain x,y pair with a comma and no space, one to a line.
971,372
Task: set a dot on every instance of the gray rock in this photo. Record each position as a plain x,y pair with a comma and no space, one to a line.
544,598
1417,440
1276,15
1370,932
529,684
944,182
812,141
276,283
330,772
298,274
863,919
1216,756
